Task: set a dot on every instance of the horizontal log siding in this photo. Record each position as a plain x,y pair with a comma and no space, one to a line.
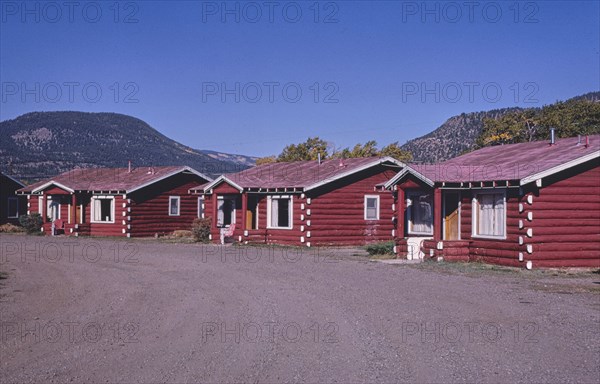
149,207
337,212
565,219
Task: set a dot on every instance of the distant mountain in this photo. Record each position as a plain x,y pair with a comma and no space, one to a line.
458,134
248,161
455,136
41,144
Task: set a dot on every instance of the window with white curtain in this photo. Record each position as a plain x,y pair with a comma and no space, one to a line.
103,209
174,204
489,214
420,213
279,212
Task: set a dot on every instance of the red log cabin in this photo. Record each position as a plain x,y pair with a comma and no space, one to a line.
529,204
126,202
11,205
305,203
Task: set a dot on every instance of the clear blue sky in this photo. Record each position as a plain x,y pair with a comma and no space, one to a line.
389,71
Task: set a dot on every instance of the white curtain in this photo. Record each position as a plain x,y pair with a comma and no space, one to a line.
220,213
274,212
490,214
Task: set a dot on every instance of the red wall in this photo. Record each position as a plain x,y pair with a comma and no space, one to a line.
566,219
337,212
149,207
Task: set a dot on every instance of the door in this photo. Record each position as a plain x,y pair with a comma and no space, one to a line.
451,216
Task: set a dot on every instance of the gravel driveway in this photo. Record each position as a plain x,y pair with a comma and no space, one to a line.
88,310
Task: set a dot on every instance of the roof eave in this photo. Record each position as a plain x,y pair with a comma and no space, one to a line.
559,168
173,173
355,170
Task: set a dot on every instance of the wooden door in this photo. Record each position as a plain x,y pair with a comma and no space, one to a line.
78,213
451,216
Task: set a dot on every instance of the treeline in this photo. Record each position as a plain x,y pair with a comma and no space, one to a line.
577,116
314,146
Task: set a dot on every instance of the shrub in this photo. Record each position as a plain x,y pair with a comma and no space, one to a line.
201,229
381,248
32,223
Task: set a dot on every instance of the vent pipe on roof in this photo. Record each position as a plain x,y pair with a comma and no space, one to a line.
129,167
319,158
552,137
587,141
578,140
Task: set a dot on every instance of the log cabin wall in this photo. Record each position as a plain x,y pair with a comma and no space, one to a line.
147,210
561,220
337,211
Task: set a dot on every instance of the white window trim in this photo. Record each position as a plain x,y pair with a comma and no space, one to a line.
200,207
178,198
376,197
92,209
475,209
16,200
409,204
280,197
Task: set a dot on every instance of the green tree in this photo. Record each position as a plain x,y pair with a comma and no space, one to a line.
394,150
266,160
570,118
309,150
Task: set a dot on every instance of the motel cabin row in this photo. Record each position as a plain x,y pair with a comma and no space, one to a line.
530,204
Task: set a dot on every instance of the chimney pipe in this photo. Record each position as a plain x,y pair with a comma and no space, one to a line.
129,167
552,137
587,141
319,155
578,140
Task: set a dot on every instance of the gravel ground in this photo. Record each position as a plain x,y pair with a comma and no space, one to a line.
97,310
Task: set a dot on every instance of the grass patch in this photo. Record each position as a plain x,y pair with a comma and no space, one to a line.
381,249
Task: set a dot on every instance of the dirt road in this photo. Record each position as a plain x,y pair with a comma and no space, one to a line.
85,310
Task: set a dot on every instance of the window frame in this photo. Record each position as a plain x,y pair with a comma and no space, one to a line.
16,200
377,207
475,205
270,199
409,210
93,209
178,199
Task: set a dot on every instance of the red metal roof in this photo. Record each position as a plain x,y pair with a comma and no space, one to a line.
298,174
510,161
109,179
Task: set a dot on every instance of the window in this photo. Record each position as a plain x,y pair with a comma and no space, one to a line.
201,207
103,209
13,207
420,213
174,202
279,212
371,207
225,211
489,214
